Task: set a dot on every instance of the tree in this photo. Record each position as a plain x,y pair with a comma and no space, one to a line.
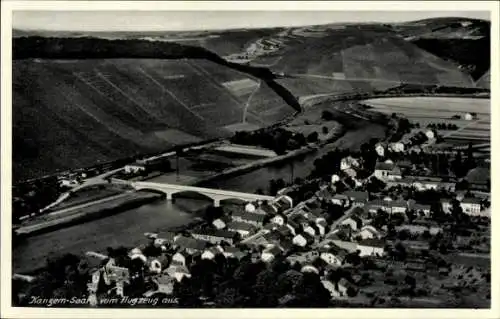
327,115
313,137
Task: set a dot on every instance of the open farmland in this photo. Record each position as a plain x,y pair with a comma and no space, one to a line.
75,113
425,110
356,57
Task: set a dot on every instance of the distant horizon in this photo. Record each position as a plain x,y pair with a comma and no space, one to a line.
183,21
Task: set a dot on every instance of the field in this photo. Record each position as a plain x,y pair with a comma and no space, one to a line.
359,58
74,113
427,110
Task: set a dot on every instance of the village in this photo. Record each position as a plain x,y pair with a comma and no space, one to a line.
388,226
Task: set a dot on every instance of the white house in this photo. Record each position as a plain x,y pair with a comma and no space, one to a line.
471,206
340,199
300,240
334,293
310,230
335,178
278,219
178,272
398,206
468,117
369,232
179,259
371,247
333,255
430,134
286,200
380,149
397,147
219,223
211,252
348,162
271,253
250,208
310,268
354,222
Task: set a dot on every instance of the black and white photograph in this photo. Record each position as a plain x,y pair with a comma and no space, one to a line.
249,158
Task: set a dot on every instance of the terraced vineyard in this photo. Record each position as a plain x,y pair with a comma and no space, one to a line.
75,113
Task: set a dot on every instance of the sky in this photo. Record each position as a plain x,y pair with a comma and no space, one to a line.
209,20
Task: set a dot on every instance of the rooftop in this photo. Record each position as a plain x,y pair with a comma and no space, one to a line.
191,243
241,226
214,232
372,243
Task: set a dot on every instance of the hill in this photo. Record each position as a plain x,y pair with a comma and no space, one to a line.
452,39
484,81
70,112
355,57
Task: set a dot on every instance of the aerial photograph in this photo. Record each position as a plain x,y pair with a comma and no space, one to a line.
251,159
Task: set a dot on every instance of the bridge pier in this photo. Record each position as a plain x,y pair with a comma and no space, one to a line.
216,202
169,196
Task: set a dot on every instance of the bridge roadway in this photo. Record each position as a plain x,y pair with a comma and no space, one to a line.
217,195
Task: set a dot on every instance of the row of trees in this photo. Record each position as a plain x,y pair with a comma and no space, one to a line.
442,126
276,139
233,284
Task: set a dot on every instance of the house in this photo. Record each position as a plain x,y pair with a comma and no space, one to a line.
371,247
309,268
165,284
354,222
333,255
233,252
416,245
446,205
220,223
380,149
357,198
376,204
397,147
341,200
398,206
191,245
286,245
211,252
297,258
421,208
349,162
311,230
471,206
334,293
215,236
285,231
134,168
322,226
344,285
279,219
369,232
250,208
284,202
269,254
300,240
419,229
244,229
387,171
468,117
179,258
178,272
346,245
251,218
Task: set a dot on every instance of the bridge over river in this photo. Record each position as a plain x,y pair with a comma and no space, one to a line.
217,195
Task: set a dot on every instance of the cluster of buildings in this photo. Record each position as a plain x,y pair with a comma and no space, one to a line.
305,234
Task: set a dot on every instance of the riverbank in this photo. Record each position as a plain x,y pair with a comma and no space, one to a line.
89,213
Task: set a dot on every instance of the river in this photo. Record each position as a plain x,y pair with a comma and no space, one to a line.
127,228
